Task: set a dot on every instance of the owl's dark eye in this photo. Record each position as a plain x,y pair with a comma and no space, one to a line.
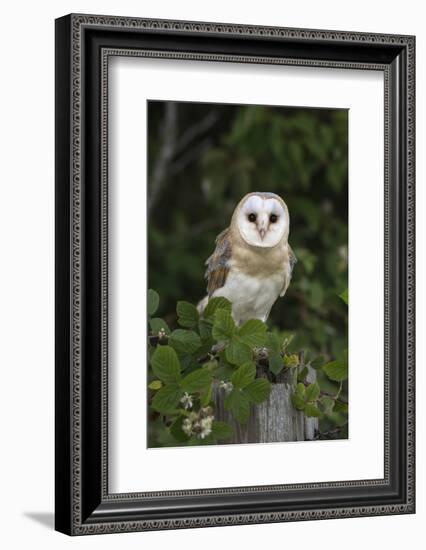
252,217
273,218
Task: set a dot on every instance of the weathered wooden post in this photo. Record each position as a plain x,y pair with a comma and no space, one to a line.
276,419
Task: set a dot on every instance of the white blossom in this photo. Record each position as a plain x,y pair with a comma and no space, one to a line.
206,426
161,333
187,426
186,401
227,386
198,424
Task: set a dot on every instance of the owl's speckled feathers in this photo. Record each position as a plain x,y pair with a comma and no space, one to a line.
253,262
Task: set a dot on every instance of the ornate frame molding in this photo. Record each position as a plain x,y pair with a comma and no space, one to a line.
72,47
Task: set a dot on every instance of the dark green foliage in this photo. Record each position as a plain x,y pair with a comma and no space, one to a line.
184,367
186,364
326,399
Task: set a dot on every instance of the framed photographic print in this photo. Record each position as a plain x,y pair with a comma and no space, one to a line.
234,274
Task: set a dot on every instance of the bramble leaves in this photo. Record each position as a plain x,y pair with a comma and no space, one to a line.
258,390
317,362
215,304
238,353
153,301
165,364
273,343
156,325
276,363
205,328
312,392
197,380
312,410
336,370
238,403
301,375
244,375
188,315
177,431
298,402
211,352
241,341
298,397
223,325
340,407
345,296
167,398
221,430
327,404
253,333
185,341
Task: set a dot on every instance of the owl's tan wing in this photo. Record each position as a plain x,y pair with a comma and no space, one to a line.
292,260
218,263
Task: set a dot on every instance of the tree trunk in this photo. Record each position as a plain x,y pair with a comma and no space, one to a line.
275,420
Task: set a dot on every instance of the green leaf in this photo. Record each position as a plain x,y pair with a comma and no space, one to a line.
188,315
253,333
176,430
312,392
167,399
238,353
212,365
273,342
327,404
165,364
298,402
300,390
302,374
221,430
336,370
156,324
312,410
155,385
215,304
258,390
197,380
206,396
318,362
244,375
205,328
185,341
223,326
153,301
237,402
224,372
337,418
276,363
345,296
340,407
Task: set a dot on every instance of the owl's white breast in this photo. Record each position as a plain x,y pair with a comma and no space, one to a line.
251,297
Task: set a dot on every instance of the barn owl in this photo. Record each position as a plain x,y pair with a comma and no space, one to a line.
253,262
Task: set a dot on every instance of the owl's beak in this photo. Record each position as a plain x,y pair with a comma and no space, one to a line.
262,225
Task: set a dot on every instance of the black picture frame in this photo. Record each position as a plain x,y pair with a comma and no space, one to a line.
83,45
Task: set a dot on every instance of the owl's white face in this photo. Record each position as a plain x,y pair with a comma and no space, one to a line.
262,220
